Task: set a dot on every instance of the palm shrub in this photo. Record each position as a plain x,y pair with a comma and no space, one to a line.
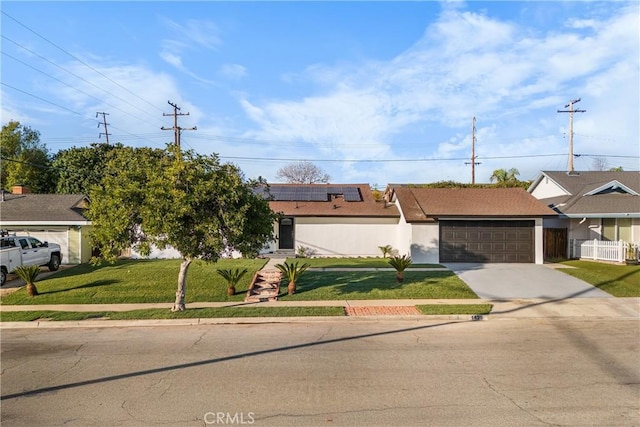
29,273
232,276
400,263
386,250
292,272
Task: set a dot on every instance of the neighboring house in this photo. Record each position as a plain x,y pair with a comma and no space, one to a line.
439,225
330,220
591,205
56,218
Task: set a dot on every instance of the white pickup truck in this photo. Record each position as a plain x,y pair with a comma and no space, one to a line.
25,250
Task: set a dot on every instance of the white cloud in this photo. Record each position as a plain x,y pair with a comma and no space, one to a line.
172,59
466,64
195,32
233,71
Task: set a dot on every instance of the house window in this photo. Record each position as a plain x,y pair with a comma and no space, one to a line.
616,229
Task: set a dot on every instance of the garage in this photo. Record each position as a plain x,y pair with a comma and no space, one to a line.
59,236
487,241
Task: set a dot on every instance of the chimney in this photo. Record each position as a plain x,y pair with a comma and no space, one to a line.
20,189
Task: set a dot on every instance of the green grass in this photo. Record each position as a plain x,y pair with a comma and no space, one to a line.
137,281
360,285
617,280
224,312
354,263
155,281
449,309
160,313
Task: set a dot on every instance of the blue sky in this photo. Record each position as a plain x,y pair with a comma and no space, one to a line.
372,92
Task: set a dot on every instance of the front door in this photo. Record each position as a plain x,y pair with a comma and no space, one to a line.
285,231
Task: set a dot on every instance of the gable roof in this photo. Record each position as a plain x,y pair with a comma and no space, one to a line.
429,204
594,193
53,209
327,200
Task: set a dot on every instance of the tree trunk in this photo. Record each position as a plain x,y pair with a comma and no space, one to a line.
400,277
231,291
182,285
291,288
32,291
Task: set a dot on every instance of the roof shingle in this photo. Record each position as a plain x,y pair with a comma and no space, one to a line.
427,204
580,183
337,206
43,208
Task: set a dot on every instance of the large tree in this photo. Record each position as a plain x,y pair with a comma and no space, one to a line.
193,203
302,173
80,168
24,159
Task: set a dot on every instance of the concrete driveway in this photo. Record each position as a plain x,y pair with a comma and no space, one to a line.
509,281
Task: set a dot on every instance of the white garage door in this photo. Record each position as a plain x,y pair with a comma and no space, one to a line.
60,237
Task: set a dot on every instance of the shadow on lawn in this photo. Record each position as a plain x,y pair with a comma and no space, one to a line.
86,268
93,284
365,282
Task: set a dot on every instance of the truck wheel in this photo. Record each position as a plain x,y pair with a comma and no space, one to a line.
54,264
3,276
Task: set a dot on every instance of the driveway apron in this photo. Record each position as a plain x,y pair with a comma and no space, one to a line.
508,281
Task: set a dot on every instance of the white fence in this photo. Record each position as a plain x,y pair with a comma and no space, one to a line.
601,250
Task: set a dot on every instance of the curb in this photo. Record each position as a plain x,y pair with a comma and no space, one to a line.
102,323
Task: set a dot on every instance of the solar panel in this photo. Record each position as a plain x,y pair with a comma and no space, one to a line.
310,194
352,194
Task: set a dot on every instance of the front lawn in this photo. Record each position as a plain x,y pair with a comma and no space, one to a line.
451,309
617,280
315,285
137,281
163,313
155,281
353,263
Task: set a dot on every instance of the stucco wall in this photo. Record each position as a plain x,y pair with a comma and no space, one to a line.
591,228
538,235
338,237
547,188
424,243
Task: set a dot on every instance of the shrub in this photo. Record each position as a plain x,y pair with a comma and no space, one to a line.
29,273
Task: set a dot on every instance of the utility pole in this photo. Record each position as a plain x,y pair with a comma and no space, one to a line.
104,123
571,111
473,151
176,129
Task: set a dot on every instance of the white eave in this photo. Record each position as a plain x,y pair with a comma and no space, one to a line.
603,215
41,223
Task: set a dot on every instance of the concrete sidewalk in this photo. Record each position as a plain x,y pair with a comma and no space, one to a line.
503,308
626,308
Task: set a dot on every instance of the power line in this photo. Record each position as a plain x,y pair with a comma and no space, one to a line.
79,60
79,78
385,160
63,107
41,99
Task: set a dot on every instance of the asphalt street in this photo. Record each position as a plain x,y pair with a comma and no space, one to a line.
501,372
